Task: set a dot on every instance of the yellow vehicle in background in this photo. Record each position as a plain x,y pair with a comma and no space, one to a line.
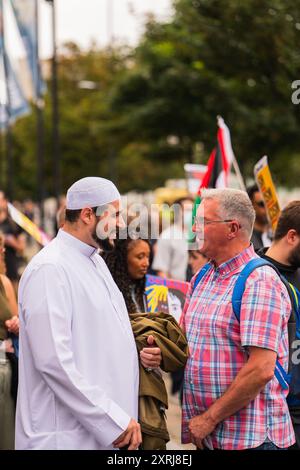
169,195
165,198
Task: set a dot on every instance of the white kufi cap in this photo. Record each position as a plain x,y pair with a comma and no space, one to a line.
91,192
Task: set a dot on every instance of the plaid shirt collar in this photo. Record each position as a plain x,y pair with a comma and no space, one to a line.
236,262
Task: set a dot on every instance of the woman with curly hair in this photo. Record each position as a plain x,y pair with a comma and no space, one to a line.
128,263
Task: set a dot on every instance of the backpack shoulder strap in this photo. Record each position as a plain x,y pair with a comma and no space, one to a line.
237,295
295,294
240,284
201,274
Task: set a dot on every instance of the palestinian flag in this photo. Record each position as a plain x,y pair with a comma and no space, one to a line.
218,166
219,163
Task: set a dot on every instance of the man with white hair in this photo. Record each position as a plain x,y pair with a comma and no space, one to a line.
78,376
231,398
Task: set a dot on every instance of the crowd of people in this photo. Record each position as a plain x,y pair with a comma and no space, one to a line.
81,360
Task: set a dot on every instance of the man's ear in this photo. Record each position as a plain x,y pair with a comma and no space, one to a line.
86,215
292,237
234,228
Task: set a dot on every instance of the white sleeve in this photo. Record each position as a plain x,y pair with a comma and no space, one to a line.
47,311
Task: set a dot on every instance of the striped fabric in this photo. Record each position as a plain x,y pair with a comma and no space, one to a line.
218,351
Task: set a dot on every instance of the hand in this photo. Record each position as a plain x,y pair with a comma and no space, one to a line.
132,437
200,427
8,346
13,325
151,357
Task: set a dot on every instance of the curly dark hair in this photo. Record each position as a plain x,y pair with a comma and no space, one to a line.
116,260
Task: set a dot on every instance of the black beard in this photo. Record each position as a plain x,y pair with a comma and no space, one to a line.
97,240
105,244
294,258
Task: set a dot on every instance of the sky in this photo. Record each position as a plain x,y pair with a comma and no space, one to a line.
83,21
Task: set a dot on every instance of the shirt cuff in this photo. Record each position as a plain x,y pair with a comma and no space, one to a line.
116,423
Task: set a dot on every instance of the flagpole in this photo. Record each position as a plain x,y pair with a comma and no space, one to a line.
55,110
234,160
110,15
238,174
39,124
110,22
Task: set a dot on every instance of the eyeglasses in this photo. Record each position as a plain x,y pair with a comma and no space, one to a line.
200,221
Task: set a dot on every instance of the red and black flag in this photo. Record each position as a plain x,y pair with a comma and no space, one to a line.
218,165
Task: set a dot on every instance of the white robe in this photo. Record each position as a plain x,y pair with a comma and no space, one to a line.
78,369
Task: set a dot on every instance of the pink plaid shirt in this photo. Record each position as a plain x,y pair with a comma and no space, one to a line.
218,350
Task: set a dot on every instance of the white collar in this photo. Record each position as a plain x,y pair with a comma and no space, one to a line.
70,240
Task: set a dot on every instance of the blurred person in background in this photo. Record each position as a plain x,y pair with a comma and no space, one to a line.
171,255
9,323
60,214
195,261
60,217
14,241
261,230
29,209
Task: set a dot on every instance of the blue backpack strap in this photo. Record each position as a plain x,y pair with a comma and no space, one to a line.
237,295
296,298
201,274
240,284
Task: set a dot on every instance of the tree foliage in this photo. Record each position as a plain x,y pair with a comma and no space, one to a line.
154,103
236,59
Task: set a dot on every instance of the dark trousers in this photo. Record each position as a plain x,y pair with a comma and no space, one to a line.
296,446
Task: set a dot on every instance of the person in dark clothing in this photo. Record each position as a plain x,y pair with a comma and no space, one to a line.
260,229
9,323
284,253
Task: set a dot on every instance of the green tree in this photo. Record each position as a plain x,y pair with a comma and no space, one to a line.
154,103
227,57
86,122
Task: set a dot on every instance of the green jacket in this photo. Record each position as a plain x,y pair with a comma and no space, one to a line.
153,397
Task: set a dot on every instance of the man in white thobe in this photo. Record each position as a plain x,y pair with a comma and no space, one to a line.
78,371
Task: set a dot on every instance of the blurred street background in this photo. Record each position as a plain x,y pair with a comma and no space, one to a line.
131,90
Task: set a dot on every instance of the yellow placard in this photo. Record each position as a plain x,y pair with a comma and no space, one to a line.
26,224
266,186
